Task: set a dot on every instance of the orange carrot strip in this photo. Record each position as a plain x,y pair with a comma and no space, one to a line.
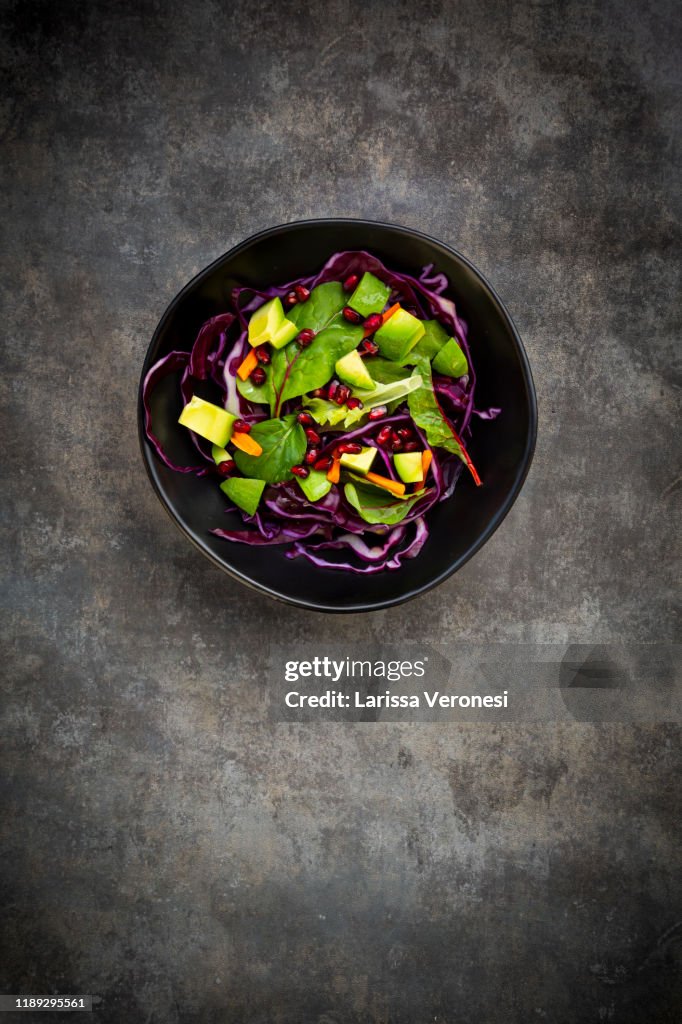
389,485
248,366
384,317
334,472
427,457
246,443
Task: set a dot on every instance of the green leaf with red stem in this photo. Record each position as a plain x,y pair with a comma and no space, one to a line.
426,412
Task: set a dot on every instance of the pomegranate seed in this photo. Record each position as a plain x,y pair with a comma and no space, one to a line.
290,299
373,322
305,337
312,456
350,283
332,390
384,435
305,419
323,464
302,293
404,433
263,354
258,376
354,403
342,395
412,446
313,436
241,427
320,393
351,316
226,467
368,348
349,448
301,471
396,442
378,412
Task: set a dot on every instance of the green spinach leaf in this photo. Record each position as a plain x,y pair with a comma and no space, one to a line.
376,507
316,312
383,492
283,442
315,485
257,393
291,367
296,370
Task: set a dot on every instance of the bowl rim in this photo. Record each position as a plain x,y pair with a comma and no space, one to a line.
494,524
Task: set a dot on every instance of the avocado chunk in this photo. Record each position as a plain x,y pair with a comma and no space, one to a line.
435,337
451,360
285,333
315,485
351,370
265,321
370,296
398,336
208,420
362,462
408,466
219,454
269,323
244,492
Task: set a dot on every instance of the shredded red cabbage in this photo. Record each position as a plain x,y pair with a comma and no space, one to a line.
378,558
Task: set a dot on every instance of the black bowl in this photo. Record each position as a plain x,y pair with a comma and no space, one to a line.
501,449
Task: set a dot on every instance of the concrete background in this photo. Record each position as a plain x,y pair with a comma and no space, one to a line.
165,847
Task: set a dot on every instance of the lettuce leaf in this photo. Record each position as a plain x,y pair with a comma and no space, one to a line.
326,413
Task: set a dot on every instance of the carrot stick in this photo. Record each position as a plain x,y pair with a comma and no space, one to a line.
334,472
384,317
246,443
389,485
389,312
248,366
427,456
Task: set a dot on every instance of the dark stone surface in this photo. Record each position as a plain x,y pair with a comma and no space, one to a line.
165,847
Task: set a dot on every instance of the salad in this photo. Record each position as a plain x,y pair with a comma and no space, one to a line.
332,411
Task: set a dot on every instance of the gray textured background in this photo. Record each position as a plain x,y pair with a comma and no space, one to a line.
166,847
